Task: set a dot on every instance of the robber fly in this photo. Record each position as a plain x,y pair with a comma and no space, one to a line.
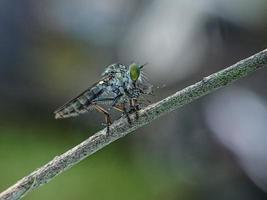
120,87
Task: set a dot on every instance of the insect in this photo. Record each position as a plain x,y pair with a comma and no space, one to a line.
120,87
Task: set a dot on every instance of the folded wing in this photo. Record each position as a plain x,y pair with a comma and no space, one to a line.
80,104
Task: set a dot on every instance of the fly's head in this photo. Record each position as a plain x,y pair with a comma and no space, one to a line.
138,79
134,71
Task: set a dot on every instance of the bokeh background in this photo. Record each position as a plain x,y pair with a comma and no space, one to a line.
214,148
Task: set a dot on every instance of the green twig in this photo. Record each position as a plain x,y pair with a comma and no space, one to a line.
120,128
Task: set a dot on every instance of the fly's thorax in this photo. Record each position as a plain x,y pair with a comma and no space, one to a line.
115,69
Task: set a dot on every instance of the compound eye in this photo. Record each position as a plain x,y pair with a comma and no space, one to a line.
134,71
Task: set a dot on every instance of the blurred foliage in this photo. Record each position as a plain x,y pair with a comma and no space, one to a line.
107,175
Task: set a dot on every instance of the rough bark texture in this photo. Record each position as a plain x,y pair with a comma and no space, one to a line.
121,128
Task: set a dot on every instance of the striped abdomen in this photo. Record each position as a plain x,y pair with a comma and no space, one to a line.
80,104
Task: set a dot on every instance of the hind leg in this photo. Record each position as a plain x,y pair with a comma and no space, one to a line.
107,116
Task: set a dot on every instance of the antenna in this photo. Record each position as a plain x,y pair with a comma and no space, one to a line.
142,65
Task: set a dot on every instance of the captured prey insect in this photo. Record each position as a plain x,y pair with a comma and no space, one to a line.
119,87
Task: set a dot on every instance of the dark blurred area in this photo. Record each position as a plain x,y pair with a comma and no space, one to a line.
214,148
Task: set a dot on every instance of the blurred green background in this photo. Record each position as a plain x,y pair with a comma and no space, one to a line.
214,148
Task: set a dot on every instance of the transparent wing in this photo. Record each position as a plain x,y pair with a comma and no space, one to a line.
80,104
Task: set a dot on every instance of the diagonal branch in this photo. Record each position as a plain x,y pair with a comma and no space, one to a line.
120,128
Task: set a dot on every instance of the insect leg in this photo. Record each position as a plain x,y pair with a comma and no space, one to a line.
118,108
107,116
126,113
134,107
131,106
122,108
